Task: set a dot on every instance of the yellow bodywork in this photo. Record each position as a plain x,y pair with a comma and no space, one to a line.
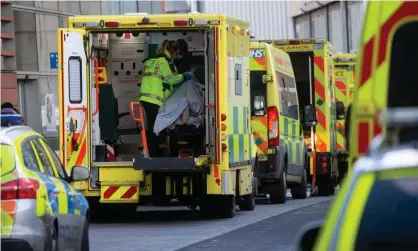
280,85
231,49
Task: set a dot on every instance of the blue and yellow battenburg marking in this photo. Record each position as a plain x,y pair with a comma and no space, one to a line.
239,138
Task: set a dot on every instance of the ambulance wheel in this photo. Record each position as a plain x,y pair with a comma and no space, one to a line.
278,190
207,207
227,206
247,202
326,186
299,192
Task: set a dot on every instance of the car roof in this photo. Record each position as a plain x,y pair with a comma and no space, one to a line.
10,134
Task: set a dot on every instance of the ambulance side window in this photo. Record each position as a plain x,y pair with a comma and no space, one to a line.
282,94
238,79
292,94
75,80
29,157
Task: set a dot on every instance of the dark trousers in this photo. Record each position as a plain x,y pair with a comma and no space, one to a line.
153,140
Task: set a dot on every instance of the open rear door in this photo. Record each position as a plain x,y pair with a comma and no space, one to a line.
73,97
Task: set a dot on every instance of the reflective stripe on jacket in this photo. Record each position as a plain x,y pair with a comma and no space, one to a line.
158,75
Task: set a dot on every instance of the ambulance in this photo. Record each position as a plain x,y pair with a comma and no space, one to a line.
387,71
313,66
277,119
209,165
344,76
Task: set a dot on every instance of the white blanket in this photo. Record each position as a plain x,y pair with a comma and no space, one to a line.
184,106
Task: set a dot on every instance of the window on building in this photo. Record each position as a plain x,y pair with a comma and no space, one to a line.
302,27
63,22
238,79
319,23
91,7
335,27
26,41
355,16
47,25
30,3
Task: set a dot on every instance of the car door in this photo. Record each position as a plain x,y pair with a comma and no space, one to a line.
66,220
78,207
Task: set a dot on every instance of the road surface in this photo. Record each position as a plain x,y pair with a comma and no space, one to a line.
268,227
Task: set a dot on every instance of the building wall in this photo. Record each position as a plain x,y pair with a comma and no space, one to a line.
326,19
8,52
268,19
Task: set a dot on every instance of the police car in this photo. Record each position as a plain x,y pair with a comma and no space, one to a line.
40,210
377,206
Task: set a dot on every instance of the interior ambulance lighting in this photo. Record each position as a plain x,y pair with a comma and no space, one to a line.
320,41
223,117
92,24
180,23
281,41
294,41
78,24
112,24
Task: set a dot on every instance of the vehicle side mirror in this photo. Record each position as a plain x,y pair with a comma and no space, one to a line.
309,116
340,110
347,127
79,173
308,236
259,106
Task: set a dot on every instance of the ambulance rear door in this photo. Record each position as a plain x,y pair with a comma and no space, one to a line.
73,97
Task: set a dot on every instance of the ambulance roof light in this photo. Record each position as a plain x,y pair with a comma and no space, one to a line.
345,59
320,41
112,24
180,22
92,24
136,14
280,41
78,24
307,41
294,41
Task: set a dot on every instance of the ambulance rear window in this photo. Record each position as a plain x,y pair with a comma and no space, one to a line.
7,159
75,79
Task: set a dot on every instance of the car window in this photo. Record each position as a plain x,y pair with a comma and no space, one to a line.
46,164
55,159
389,217
7,159
29,157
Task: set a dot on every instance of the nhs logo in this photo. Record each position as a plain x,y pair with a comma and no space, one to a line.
256,53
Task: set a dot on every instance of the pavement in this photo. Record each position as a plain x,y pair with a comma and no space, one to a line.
268,227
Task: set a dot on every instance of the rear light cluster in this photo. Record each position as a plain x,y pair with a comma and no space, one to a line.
273,126
223,134
324,164
22,188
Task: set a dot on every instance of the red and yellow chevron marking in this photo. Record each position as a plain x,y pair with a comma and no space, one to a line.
340,135
374,62
120,193
8,209
258,63
260,132
321,102
340,95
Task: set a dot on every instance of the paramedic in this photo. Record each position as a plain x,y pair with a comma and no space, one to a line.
159,79
181,61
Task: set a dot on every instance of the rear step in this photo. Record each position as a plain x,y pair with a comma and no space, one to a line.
163,164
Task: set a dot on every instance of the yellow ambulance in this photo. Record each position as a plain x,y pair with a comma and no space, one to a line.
313,65
276,122
387,71
100,67
344,76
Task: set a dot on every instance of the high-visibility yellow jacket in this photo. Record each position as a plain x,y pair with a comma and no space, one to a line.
159,74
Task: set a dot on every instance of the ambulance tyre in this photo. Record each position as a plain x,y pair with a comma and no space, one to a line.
207,207
299,192
278,190
247,202
227,206
326,186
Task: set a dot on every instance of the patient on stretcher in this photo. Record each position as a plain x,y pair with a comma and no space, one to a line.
184,107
